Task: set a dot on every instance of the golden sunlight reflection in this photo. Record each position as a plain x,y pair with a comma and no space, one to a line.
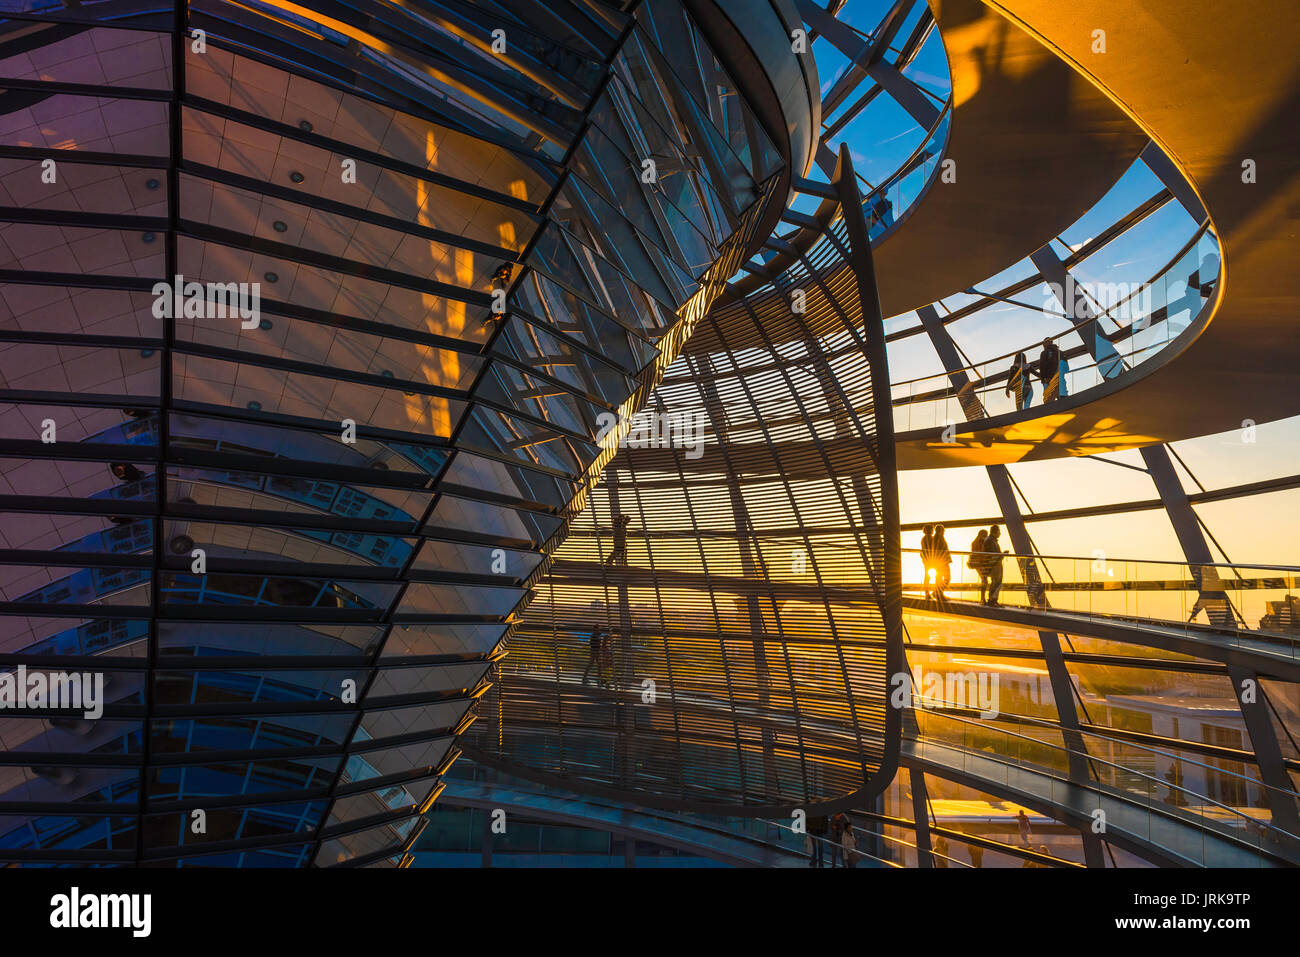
506,235
443,365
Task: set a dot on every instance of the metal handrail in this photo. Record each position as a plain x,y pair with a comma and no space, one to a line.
886,837
970,369
692,821
1247,821
994,729
929,709
1108,559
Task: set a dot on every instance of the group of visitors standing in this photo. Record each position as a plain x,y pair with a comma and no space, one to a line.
936,558
1051,368
838,833
986,560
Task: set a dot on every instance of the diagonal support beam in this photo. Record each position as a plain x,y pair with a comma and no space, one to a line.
867,59
1280,792
1057,673
1173,180
947,349
1053,657
1078,310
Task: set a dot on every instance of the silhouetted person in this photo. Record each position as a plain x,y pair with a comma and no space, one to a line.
125,472
1020,383
817,829
619,555
1049,370
838,823
1026,835
942,563
940,855
849,845
927,558
993,564
883,211
976,561
594,648
1199,287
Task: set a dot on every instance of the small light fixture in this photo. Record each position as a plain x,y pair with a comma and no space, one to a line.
152,184
296,177
148,237
304,125
271,276
280,226
255,406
